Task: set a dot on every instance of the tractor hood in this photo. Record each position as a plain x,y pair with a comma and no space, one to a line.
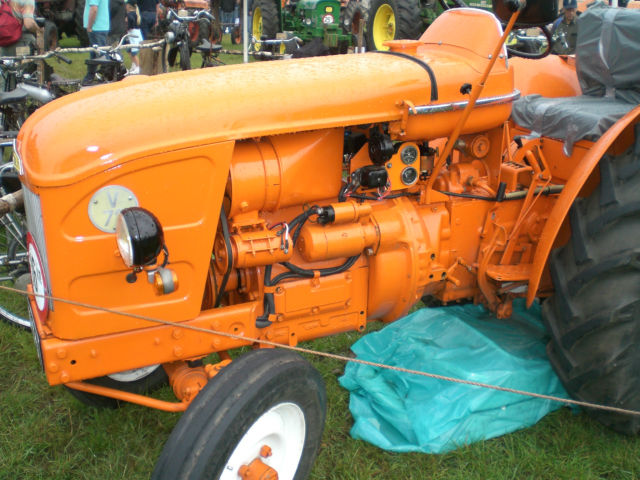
100,128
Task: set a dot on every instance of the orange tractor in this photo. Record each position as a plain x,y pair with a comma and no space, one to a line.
332,192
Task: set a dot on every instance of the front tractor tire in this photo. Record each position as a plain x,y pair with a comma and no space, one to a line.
594,315
265,398
390,20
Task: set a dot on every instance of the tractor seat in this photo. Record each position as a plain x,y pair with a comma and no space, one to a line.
101,61
17,95
207,47
608,68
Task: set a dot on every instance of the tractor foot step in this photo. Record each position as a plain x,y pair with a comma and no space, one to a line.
509,273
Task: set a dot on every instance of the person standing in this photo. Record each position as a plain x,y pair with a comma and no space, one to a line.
117,21
96,22
148,14
26,44
135,35
565,29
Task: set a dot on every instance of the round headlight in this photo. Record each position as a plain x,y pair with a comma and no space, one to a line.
139,236
124,241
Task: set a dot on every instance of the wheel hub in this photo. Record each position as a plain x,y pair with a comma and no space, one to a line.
275,440
257,470
384,26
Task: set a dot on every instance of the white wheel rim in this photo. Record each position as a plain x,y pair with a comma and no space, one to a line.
133,375
282,428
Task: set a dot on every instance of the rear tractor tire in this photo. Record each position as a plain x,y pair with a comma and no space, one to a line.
265,398
390,20
354,20
594,315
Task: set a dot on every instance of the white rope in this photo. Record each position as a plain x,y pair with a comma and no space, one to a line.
342,358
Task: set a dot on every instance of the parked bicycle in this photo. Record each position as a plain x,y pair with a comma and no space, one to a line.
14,265
29,82
109,62
179,39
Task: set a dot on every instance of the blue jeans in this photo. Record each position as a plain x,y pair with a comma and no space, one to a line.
99,39
147,21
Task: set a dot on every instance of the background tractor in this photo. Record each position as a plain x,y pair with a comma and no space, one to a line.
309,20
312,196
381,20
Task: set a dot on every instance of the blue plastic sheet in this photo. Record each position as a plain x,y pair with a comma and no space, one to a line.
404,412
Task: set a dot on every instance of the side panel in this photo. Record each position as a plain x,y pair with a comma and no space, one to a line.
184,190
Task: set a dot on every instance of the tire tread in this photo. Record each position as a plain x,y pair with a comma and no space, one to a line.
596,276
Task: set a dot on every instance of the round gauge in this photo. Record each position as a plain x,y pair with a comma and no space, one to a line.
409,154
409,176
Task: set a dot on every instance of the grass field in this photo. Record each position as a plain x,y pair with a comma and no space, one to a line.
47,434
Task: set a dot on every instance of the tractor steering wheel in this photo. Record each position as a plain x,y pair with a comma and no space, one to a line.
534,48
446,5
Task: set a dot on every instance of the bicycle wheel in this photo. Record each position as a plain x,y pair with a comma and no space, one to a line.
14,267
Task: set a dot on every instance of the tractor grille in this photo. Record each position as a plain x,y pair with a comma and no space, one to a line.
36,227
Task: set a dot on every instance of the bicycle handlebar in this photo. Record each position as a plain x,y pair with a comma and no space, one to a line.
200,14
60,51
59,56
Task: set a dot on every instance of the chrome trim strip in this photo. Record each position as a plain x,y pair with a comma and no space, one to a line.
453,106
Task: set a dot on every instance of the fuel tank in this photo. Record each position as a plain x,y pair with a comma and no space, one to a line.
100,128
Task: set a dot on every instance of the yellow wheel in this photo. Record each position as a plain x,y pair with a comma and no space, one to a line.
265,22
384,26
256,28
391,20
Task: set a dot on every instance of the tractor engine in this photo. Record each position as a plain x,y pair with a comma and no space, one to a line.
335,221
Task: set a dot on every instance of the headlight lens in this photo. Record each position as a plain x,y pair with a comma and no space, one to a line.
139,236
124,241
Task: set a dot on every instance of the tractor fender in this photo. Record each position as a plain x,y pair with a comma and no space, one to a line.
571,190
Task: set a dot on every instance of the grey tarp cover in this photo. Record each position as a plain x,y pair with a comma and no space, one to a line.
608,68
569,119
608,52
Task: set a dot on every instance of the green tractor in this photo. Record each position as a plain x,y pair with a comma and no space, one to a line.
311,21
381,20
